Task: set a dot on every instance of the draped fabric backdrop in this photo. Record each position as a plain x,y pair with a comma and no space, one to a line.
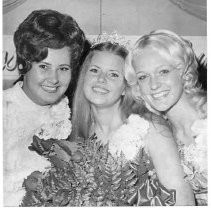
9,5
197,8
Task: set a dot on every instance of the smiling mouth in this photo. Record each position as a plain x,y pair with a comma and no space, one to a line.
100,90
50,89
160,94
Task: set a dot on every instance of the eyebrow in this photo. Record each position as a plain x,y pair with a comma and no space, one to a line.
45,63
101,68
143,72
115,70
158,68
65,65
94,66
49,64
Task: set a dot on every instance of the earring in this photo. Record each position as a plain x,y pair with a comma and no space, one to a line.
123,93
20,66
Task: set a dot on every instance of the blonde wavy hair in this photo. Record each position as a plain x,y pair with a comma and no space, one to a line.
179,49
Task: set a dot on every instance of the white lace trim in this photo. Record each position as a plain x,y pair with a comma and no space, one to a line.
196,153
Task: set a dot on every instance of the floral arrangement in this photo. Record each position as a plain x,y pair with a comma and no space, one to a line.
85,173
194,161
58,125
41,187
129,137
197,153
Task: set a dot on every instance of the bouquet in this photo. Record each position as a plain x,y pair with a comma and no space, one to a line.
55,186
85,174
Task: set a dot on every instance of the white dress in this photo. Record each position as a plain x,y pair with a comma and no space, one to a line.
22,119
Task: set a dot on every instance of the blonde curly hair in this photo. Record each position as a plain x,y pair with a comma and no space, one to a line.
179,49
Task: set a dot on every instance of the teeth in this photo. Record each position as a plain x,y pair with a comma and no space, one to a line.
158,95
49,88
100,90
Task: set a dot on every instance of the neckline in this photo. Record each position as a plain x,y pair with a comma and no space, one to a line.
98,134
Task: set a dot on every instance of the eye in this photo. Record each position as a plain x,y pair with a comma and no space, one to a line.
43,66
142,77
65,68
112,74
93,70
164,71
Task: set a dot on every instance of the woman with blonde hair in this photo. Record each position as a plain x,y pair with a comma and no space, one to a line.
162,72
134,161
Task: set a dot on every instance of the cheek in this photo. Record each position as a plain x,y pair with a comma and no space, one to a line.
119,91
87,81
87,86
87,92
175,81
117,86
33,77
144,88
178,86
65,78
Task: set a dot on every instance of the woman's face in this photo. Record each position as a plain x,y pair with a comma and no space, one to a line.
47,80
104,80
160,83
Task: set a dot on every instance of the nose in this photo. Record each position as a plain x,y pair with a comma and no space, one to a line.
154,82
102,77
53,76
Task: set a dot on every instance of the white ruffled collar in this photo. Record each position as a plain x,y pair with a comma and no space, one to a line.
24,101
51,121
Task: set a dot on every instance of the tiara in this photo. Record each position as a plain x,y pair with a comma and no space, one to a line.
113,38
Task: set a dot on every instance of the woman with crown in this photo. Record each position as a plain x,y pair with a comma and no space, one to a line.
134,158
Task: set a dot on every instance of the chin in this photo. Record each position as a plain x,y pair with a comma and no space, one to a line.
98,103
51,101
160,108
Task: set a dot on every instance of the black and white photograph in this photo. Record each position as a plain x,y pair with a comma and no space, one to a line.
104,103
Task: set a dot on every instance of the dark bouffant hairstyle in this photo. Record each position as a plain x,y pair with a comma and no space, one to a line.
44,29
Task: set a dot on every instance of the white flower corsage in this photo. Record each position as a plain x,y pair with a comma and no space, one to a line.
59,125
129,137
196,153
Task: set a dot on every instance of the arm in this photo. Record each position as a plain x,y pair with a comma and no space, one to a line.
163,151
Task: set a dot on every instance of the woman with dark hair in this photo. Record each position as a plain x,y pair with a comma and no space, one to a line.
162,70
49,46
133,160
44,29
